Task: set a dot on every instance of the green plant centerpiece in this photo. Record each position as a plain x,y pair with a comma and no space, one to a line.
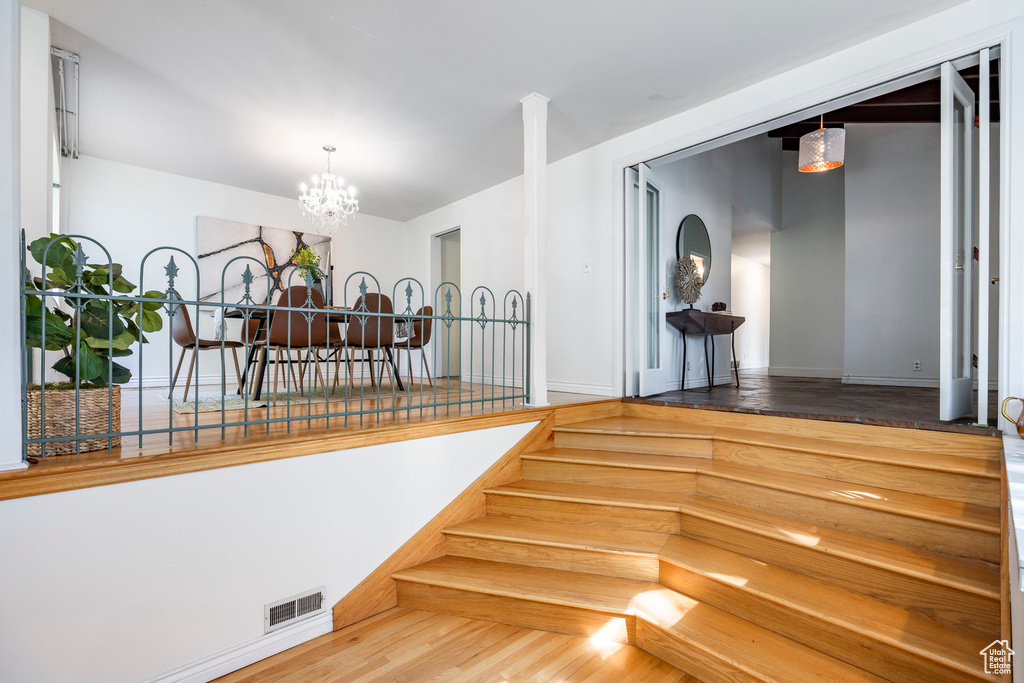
88,334
306,256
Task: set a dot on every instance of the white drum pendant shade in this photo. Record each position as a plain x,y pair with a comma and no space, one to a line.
822,150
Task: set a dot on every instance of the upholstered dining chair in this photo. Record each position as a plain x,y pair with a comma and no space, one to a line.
290,331
368,332
185,337
422,325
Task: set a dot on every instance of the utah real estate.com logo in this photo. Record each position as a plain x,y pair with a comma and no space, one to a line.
998,657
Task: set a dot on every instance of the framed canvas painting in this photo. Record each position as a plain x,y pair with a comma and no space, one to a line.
219,241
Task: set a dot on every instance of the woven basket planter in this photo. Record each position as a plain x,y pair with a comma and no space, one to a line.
60,418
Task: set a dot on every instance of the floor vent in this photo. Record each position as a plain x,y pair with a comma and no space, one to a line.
290,610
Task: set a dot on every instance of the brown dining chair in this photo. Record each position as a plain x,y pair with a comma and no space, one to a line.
368,333
289,331
252,334
422,325
185,337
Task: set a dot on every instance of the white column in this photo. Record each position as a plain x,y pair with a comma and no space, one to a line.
10,249
535,176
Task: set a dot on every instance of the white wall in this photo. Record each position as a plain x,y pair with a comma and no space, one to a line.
491,242
120,583
10,222
807,280
751,297
713,185
131,210
37,123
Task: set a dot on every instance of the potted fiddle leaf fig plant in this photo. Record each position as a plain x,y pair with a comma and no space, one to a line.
87,334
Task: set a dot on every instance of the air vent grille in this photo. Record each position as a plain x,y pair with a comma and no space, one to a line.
284,612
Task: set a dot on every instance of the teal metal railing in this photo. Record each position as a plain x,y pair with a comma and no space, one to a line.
78,317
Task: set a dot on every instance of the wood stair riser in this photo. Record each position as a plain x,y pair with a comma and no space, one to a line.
963,488
888,526
572,621
835,639
602,475
546,510
701,663
963,445
946,603
635,443
626,566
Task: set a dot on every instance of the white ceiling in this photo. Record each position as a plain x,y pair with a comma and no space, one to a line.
420,98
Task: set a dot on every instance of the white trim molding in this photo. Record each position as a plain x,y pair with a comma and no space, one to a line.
244,654
583,388
827,373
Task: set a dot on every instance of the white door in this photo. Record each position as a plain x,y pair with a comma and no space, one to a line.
653,365
956,247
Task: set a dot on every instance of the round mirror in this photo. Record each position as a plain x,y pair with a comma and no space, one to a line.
692,240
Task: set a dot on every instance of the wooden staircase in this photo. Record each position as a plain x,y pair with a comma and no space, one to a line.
742,548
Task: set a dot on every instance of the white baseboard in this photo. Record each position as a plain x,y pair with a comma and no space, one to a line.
582,388
240,656
927,383
13,466
826,373
924,382
702,382
486,379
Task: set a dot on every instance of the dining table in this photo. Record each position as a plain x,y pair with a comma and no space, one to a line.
260,313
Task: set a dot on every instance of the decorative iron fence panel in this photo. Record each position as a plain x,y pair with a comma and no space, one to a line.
87,314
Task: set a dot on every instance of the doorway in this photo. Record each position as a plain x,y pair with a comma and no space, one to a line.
446,273
878,255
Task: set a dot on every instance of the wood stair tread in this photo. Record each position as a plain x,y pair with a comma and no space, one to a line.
641,461
598,495
763,654
638,426
897,627
974,576
562,535
927,508
940,462
551,586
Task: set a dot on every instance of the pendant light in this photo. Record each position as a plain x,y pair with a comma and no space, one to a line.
822,150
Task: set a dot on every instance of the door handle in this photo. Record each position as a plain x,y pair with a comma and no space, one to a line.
664,294
958,265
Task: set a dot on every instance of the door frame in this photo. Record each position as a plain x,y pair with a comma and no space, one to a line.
887,76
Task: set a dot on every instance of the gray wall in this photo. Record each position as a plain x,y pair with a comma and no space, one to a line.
807,274
892,253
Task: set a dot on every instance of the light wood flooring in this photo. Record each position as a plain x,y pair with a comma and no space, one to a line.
407,645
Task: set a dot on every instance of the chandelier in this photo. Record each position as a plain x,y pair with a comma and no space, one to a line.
327,204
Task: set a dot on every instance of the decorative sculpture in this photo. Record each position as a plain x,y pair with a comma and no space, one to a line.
688,281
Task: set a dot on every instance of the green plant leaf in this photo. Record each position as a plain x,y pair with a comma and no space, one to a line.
122,285
120,342
57,276
122,375
97,321
57,254
90,366
150,321
153,306
33,306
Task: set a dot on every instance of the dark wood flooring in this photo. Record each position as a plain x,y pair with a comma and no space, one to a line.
826,399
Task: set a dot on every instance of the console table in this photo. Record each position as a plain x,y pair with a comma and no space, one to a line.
692,321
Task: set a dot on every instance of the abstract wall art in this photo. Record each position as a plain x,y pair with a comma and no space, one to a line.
219,241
